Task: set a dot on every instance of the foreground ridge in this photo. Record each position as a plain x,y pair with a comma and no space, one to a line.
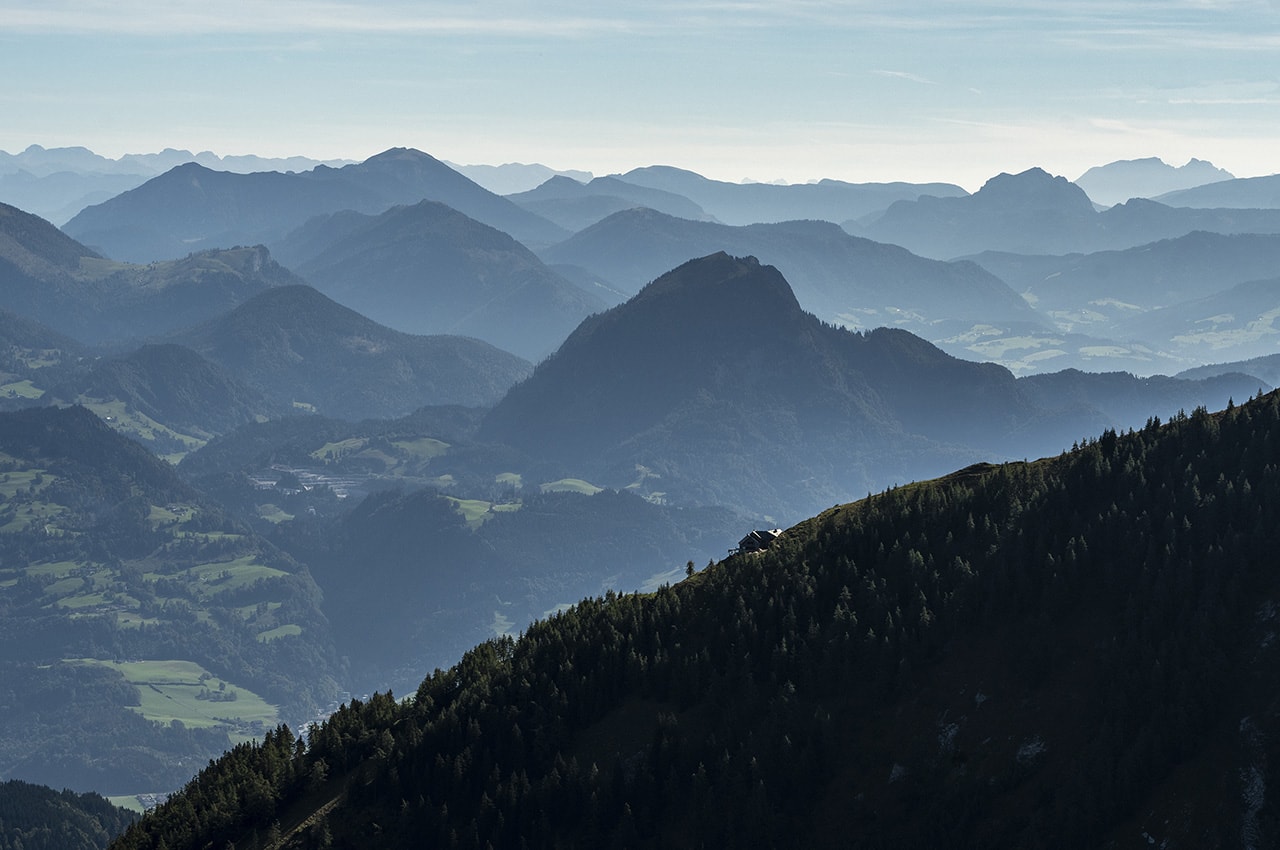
1053,654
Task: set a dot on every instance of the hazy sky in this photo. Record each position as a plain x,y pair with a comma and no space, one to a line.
909,90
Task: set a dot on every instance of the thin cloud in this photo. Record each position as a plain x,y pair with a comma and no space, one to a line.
300,16
905,75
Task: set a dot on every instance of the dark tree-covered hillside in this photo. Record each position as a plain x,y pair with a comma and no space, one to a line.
1076,652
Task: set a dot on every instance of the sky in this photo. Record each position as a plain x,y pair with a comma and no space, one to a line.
733,89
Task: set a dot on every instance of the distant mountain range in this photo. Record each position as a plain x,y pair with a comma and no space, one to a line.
192,207
428,268
512,177
1036,213
841,278
49,277
1117,182
56,183
575,205
1239,193
752,203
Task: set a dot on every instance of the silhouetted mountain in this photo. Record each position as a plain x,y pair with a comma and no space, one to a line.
1117,182
716,382
752,203
575,205
35,817
841,278
1035,213
1075,652
407,176
1238,193
1265,369
429,269
1124,401
192,207
49,277
297,346
174,386
512,177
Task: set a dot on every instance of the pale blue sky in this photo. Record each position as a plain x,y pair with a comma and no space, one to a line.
859,91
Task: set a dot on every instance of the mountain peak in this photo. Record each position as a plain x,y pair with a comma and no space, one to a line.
1034,187
737,288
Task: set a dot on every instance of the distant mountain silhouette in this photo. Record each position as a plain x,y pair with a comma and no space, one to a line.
192,207
1117,182
1265,369
512,177
297,346
1036,213
1125,401
713,386
575,205
839,277
47,276
714,379
428,268
1239,193
752,203
56,183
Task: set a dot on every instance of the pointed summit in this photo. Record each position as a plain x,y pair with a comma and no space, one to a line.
1034,188
714,379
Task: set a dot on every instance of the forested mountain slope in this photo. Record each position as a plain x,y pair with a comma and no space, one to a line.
1075,652
34,817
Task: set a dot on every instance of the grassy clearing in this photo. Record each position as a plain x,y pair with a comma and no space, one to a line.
513,479
340,449
26,479
21,389
423,448
30,514
477,511
58,568
279,632
142,427
169,690
571,485
86,600
221,576
273,514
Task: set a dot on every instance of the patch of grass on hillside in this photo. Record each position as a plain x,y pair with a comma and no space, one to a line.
571,485
513,479
31,513
273,514
171,690
280,631
172,514
221,576
21,389
138,425
423,448
24,479
477,511
341,448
